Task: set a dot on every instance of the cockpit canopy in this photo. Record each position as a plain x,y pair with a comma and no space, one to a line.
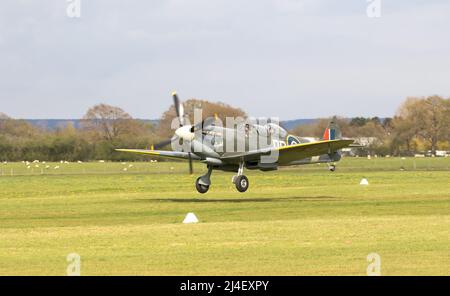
277,130
271,130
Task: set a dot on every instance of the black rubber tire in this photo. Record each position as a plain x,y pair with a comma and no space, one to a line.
332,168
200,187
242,183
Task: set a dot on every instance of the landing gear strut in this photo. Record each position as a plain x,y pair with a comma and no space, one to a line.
203,182
240,180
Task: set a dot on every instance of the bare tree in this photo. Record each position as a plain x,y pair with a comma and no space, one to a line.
403,134
425,118
107,122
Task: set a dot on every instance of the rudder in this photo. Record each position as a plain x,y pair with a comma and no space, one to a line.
332,132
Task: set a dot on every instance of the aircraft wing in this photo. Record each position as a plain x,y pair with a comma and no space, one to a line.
304,150
292,153
161,153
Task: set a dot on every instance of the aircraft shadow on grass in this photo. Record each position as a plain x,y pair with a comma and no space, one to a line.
236,200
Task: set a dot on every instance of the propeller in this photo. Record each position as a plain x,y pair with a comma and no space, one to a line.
183,132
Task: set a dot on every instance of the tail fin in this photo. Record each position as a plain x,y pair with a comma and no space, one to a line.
332,132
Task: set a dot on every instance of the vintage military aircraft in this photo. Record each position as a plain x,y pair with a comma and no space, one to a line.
206,142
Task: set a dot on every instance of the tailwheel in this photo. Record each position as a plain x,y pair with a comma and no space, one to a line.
201,188
241,183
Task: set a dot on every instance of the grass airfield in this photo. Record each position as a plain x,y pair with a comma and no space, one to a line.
295,221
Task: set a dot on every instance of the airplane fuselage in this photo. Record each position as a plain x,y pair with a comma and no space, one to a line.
219,144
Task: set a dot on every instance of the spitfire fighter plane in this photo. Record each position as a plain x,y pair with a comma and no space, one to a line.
207,142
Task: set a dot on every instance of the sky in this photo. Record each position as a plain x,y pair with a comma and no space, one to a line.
285,58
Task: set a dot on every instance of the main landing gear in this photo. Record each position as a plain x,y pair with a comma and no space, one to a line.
240,180
202,183
332,167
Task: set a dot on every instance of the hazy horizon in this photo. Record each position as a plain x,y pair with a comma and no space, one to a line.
290,59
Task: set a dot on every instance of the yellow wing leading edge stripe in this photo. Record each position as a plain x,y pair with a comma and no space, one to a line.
151,152
307,144
161,153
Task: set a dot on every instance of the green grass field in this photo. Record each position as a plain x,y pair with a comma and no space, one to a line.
296,221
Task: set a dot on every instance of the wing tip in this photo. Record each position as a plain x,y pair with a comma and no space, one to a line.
122,150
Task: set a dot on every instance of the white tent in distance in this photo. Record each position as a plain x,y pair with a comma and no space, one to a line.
190,218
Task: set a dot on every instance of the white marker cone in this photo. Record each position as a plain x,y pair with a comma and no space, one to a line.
190,218
364,182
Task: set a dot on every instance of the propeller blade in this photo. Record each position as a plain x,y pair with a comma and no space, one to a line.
178,108
205,123
191,169
164,143
169,141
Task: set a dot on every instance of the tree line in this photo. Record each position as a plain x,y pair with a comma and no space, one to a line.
420,125
103,128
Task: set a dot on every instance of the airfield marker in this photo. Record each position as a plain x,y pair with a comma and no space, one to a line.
190,218
364,182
